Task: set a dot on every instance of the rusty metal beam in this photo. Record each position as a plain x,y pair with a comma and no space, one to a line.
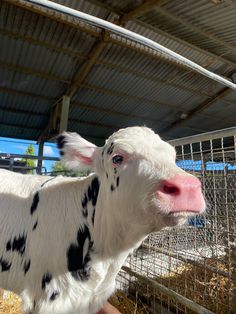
87,67
198,109
111,111
212,56
95,107
15,67
196,29
94,54
140,10
132,97
25,93
47,45
54,16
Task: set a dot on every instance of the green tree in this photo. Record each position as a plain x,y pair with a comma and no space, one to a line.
30,163
58,168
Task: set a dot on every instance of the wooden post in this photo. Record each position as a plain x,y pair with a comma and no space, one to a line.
40,155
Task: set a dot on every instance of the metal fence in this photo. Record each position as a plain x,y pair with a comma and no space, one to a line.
191,269
17,163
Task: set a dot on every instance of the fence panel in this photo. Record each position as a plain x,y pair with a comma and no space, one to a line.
192,269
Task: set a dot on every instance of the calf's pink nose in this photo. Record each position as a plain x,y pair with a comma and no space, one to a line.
182,193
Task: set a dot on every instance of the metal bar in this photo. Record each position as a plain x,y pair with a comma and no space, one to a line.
188,260
199,108
15,67
120,31
204,137
27,156
172,294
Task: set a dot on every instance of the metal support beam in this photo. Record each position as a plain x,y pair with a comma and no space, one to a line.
198,109
54,16
29,71
64,114
134,37
45,44
58,119
40,160
140,10
197,29
25,93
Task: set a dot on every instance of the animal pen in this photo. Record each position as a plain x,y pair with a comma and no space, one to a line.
188,269
191,269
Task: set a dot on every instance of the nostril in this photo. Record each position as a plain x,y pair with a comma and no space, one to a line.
171,189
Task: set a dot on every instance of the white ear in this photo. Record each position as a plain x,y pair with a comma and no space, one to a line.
75,151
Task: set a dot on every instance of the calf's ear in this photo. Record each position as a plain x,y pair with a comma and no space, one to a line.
75,151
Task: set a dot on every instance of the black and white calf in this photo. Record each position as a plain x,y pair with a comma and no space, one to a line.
63,240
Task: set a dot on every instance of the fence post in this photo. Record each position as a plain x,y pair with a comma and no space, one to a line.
40,156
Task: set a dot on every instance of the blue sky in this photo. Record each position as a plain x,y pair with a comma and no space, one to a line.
16,146
209,165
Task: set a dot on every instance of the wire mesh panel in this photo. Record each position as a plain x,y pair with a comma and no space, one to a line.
192,269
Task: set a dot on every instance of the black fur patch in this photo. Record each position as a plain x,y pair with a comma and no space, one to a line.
54,295
107,175
115,170
61,141
5,265
17,244
110,149
93,191
35,225
35,203
26,266
117,181
112,188
46,279
84,201
77,259
93,216
85,212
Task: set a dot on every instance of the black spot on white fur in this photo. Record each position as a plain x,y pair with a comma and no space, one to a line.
17,244
77,258
112,187
117,181
35,203
5,265
35,225
93,191
27,266
46,280
110,149
60,144
93,216
54,295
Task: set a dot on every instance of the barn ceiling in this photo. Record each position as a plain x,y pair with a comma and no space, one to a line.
112,82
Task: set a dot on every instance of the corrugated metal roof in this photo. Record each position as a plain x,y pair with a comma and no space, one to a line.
128,84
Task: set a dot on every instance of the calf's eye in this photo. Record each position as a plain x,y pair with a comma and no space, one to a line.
117,159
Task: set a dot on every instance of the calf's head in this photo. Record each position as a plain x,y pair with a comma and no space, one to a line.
138,177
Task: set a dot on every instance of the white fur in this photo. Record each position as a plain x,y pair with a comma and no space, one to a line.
123,218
